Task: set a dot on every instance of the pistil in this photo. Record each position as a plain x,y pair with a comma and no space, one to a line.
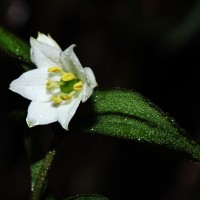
69,85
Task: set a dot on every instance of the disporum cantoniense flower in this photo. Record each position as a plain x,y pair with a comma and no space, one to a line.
58,84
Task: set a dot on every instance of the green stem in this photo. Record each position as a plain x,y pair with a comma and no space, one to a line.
39,186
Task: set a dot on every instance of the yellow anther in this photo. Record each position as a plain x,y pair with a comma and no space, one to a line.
56,99
55,69
49,85
66,97
68,77
48,82
78,86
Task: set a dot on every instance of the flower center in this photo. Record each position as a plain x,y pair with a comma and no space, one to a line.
68,85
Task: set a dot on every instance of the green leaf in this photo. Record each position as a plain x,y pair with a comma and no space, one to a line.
88,197
15,48
35,169
50,198
39,174
127,114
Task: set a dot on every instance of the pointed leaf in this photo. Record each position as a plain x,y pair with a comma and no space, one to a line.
39,173
127,114
88,197
35,169
15,48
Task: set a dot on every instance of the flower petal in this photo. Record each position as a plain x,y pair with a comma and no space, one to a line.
40,113
44,55
32,85
48,40
89,85
71,63
67,110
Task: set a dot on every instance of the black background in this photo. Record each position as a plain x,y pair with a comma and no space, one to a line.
151,46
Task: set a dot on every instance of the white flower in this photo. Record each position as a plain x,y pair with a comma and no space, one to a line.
58,84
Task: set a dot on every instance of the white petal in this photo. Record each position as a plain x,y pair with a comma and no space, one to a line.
40,113
89,85
48,40
32,85
44,55
67,110
90,77
71,63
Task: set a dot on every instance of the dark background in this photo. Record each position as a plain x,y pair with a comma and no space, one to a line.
151,46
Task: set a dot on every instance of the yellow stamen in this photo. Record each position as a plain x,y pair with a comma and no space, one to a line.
66,97
68,77
55,69
78,86
56,99
48,82
50,85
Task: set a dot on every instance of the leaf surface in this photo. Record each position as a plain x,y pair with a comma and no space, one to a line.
127,114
